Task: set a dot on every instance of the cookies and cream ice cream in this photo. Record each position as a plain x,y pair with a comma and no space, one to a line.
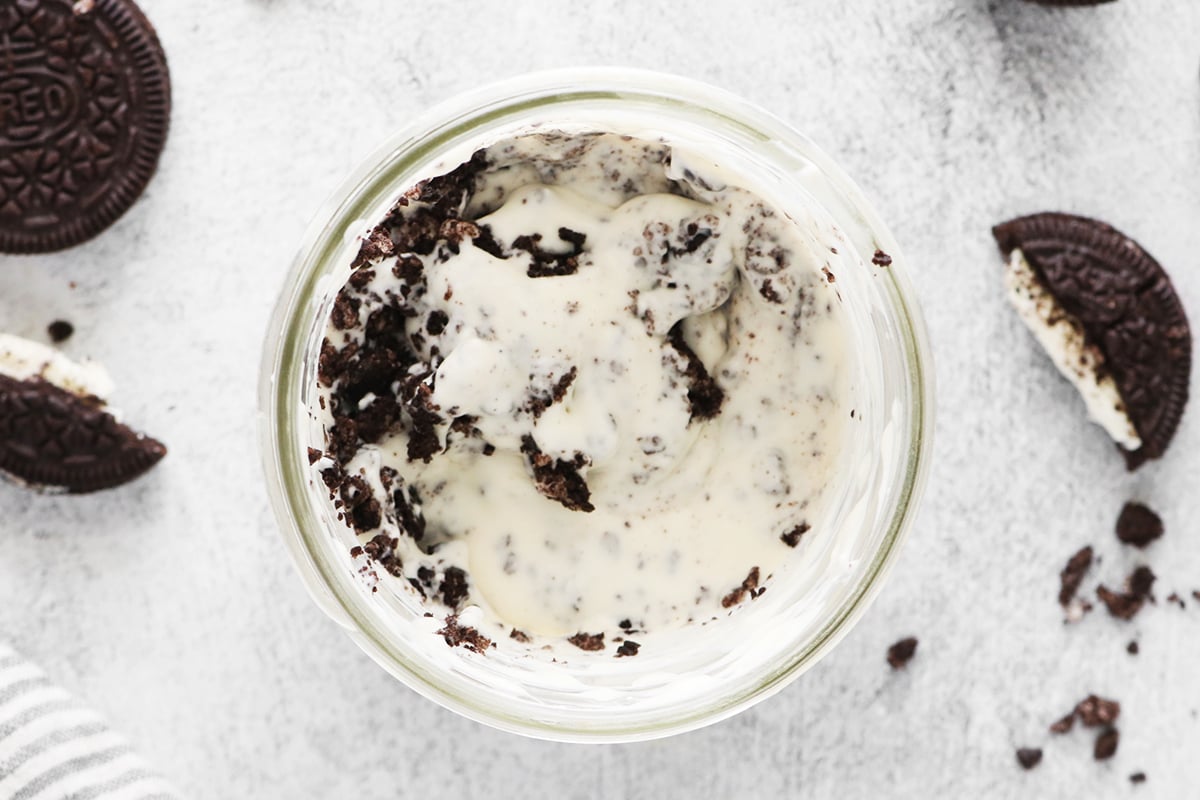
583,387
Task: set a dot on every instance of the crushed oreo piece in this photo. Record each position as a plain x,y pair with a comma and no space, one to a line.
705,395
1128,309
1137,777
590,642
1174,597
454,587
1029,757
628,648
538,403
54,440
1132,648
1095,711
520,636
899,654
792,537
557,479
1106,745
456,635
1072,575
882,259
60,330
1138,525
748,587
1063,725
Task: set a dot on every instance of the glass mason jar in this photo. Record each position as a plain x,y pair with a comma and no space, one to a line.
693,677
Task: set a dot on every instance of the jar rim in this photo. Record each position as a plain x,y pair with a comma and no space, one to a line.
283,370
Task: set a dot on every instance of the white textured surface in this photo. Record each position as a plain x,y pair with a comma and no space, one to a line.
170,606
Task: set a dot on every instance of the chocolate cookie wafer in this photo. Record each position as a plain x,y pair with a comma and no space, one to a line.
84,105
1108,315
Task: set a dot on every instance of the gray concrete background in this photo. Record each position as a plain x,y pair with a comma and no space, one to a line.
170,606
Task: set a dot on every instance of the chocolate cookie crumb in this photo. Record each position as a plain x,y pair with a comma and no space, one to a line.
1095,711
1029,757
628,648
1072,575
1137,777
899,654
590,642
1132,648
739,594
1126,605
1138,525
1106,744
454,587
557,479
314,455
457,635
705,396
1063,725
60,330
882,259
792,537
520,636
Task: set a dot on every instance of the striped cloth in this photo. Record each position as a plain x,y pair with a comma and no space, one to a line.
52,747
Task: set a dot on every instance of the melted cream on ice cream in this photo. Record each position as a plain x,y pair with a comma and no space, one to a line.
626,385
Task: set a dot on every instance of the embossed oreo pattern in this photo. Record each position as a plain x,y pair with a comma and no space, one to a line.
84,109
52,439
1128,308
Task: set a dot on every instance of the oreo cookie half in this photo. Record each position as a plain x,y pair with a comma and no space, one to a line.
56,436
84,107
1108,315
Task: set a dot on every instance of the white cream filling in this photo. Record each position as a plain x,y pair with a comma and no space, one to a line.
1062,337
22,359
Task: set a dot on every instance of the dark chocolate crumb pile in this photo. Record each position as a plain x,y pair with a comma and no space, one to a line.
749,587
1094,712
899,654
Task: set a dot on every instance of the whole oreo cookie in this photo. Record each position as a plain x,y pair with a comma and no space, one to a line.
56,440
1128,311
84,108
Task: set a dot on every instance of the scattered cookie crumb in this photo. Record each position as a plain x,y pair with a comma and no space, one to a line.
899,654
628,648
1138,525
590,642
1029,757
1106,744
1072,575
60,330
1132,648
1137,777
